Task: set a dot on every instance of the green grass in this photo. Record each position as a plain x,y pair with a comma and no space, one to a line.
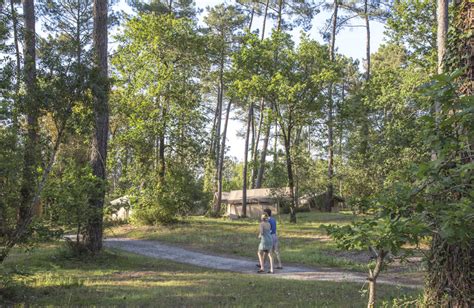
303,243
47,276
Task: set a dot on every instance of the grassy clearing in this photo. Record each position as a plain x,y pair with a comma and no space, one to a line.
303,243
48,276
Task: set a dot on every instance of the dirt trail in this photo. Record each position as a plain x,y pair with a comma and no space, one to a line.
162,251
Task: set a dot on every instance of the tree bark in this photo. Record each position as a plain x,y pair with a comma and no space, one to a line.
373,275
449,265
449,274
221,162
289,163
265,19
257,174
252,148
246,153
220,98
441,35
32,154
257,141
367,42
161,154
329,202
263,156
279,15
212,148
252,12
466,26
365,124
98,159
17,48
289,169
442,32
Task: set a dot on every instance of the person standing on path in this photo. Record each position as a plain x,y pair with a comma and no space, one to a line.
266,244
273,231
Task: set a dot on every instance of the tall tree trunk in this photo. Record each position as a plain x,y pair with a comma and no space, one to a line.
341,132
78,35
100,92
221,162
17,48
246,153
367,42
329,202
161,153
280,14
220,98
442,32
263,156
466,26
252,13
449,265
275,145
212,147
365,123
257,172
257,141
286,133
32,154
289,169
265,14
252,147
449,274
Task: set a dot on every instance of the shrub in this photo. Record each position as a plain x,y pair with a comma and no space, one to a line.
180,194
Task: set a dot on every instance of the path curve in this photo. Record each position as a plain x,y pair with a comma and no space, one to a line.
159,250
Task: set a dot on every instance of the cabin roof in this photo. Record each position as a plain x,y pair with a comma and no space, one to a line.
260,195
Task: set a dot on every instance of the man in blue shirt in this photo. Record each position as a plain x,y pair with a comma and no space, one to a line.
273,231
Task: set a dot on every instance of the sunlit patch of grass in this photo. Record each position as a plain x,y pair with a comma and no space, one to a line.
51,277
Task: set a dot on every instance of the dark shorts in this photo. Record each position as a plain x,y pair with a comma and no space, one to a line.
276,244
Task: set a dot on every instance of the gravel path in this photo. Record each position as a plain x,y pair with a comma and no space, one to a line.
162,251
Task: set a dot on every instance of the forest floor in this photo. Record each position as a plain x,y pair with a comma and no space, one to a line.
159,250
50,275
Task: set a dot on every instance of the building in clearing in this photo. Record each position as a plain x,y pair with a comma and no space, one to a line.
257,200
121,209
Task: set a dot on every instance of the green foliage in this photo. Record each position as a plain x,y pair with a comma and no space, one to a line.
10,158
157,119
179,194
446,181
430,197
179,8
413,24
388,106
66,196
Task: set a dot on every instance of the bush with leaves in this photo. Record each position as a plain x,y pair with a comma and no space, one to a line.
179,194
66,196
